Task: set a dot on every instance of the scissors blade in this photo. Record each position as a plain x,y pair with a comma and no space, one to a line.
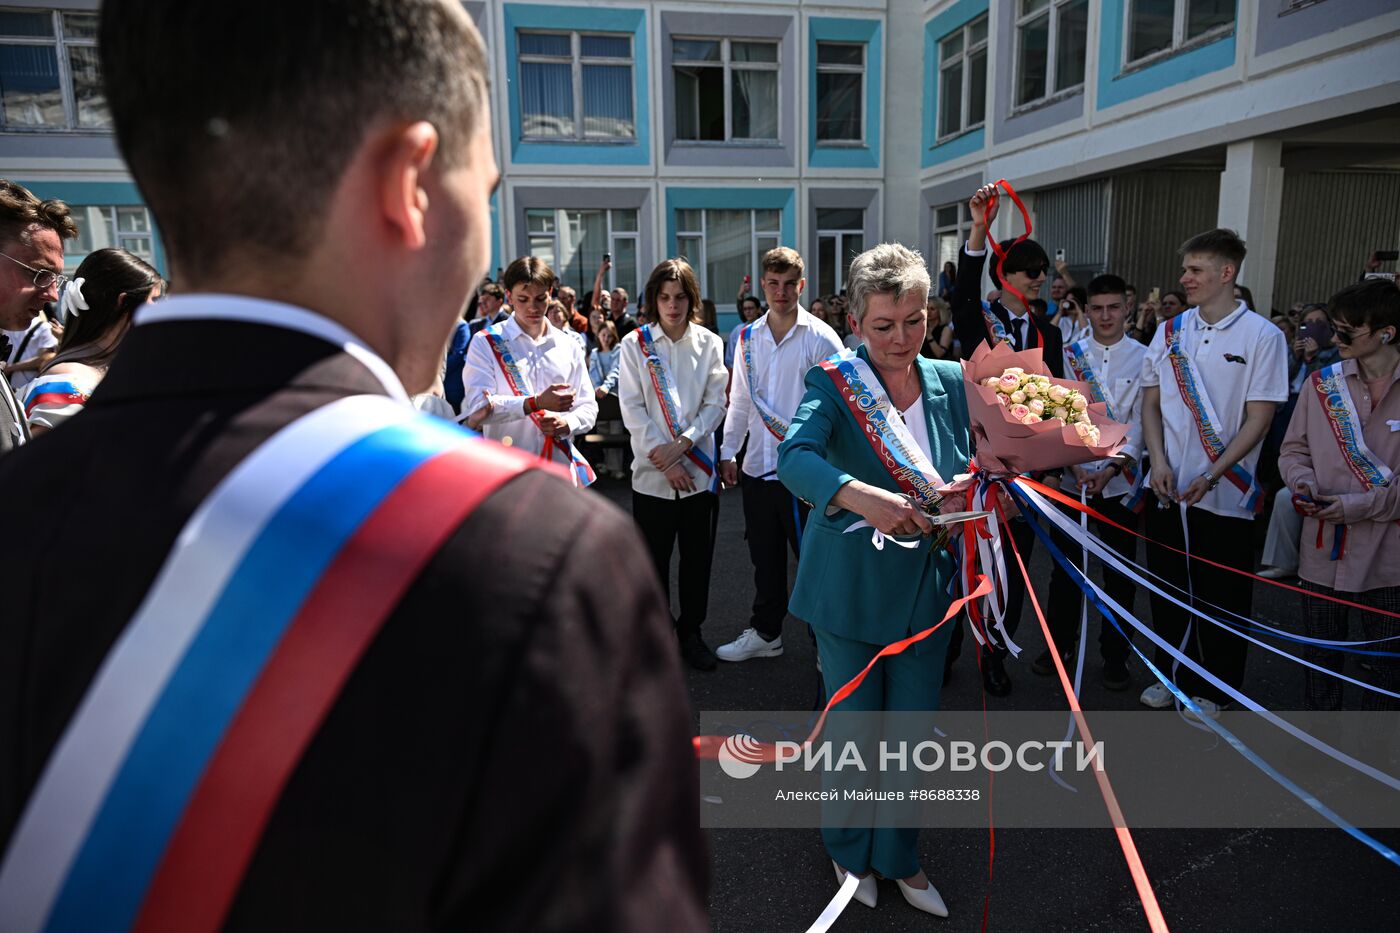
952,518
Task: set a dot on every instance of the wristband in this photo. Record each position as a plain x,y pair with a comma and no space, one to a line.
532,405
1115,465
1211,481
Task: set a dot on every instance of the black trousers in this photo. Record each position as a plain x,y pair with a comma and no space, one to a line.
773,520
691,521
1322,619
1024,536
1065,594
1227,541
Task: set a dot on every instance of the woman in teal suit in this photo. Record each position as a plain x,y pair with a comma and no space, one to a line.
857,598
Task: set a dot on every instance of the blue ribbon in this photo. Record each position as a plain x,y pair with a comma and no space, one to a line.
1081,580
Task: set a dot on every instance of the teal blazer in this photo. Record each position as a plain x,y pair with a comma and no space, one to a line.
844,585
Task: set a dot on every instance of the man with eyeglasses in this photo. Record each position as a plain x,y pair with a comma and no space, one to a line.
31,244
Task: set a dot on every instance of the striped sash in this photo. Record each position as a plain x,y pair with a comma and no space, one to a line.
669,398
776,426
152,804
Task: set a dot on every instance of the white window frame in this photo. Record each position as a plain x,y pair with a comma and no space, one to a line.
701,264
60,43
121,239
960,60
576,60
840,235
561,216
1179,41
844,69
963,229
1054,10
730,67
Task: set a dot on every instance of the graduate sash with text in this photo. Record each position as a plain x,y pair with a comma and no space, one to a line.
776,426
1193,393
670,401
580,470
1334,397
1077,358
153,802
883,426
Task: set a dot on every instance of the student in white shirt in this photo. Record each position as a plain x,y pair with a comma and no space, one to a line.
766,388
553,400
1111,364
1237,361
675,496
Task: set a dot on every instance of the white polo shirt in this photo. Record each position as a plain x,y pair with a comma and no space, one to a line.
1118,369
780,370
1243,358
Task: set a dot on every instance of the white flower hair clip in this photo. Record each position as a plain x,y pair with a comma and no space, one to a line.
73,300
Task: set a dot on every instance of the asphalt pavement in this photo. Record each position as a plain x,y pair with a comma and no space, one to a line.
1238,880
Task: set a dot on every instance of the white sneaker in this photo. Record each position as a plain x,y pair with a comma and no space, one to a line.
1209,709
750,645
1157,696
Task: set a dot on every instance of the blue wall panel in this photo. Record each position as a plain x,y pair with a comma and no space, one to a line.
955,17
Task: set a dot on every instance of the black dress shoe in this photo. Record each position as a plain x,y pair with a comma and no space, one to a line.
1115,675
696,653
994,678
1044,666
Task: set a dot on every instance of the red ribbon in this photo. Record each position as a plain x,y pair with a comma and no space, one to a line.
996,246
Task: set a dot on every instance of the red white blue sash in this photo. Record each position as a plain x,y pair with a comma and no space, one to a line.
580,470
776,426
670,401
1193,393
1077,359
57,395
1334,397
152,804
995,328
883,426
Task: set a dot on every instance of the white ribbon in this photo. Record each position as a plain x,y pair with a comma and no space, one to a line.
836,905
73,300
878,537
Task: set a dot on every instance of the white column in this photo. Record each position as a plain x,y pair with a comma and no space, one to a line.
1251,198
902,147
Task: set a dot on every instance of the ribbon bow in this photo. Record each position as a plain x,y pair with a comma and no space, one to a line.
73,300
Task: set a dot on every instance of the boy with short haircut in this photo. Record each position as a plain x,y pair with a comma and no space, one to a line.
526,382
1111,364
771,360
1212,378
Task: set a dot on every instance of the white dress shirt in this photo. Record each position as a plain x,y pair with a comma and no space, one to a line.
780,369
553,359
696,364
1256,372
1118,368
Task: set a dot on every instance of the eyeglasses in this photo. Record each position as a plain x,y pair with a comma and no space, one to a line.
1346,337
43,278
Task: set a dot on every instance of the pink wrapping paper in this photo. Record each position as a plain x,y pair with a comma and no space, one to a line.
1005,445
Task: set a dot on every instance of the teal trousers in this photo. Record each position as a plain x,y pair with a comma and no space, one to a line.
906,681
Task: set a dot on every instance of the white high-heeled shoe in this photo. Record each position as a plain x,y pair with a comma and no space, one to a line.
926,899
867,892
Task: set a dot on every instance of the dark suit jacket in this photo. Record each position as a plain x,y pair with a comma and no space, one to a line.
13,429
474,327
970,327
512,752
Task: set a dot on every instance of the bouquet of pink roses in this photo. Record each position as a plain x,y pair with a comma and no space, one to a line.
1024,419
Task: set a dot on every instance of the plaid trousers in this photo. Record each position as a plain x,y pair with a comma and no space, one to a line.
1323,619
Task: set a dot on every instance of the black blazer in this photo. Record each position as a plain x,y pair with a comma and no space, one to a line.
970,326
513,750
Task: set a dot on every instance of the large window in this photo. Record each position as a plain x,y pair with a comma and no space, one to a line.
49,78
573,243
725,245
840,238
576,86
726,90
840,92
127,228
1156,27
962,79
1052,39
952,224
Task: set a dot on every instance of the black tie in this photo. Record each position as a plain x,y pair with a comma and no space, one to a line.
1018,340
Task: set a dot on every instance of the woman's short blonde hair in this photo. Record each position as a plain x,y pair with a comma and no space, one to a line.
887,269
